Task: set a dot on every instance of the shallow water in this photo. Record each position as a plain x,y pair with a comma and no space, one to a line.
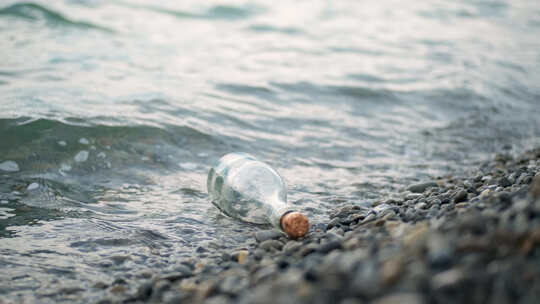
114,111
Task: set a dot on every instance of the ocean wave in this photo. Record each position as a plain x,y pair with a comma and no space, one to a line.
35,12
217,12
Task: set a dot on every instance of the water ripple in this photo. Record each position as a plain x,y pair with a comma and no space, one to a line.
36,12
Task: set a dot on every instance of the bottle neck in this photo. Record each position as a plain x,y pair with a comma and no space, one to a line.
279,209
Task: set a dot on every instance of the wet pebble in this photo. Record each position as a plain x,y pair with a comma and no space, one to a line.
421,187
82,156
32,186
265,235
460,196
271,244
9,166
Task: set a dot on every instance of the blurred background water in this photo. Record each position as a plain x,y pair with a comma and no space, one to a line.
112,112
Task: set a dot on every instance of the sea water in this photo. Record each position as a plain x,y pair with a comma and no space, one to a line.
112,113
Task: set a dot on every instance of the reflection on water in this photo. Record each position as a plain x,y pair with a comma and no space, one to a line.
112,113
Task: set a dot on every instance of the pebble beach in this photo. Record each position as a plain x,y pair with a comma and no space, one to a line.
455,239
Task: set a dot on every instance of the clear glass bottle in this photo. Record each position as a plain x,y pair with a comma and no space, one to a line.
247,189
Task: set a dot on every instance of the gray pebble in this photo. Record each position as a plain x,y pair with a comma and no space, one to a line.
9,166
82,156
335,222
271,244
233,284
265,235
460,196
292,246
421,187
421,206
331,245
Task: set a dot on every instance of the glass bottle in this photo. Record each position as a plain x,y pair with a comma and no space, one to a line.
247,189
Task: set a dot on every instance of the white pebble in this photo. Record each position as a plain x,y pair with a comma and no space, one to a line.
92,147
82,156
3,202
145,158
202,154
62,143
84,141
102,155
9,166
65,167
32,186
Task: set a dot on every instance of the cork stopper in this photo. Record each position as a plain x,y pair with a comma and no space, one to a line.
295,224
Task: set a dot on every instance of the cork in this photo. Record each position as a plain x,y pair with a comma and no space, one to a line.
295,224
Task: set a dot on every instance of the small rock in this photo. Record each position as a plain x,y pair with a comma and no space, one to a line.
446,279
413,196
264,273
102,155
82,156
439,251
144,292
62,143
368,218
100,285
382,208
32,186
175,276
240,256
331,245
336,230
391,271
271,244
333,223
65,168
84,141
461,205
421,187
504,182
421,206
308,249
460,196
9,166
118,289
201,249
291,246
265,235
233,284
400,298
416,235
485,193
366,280
535,187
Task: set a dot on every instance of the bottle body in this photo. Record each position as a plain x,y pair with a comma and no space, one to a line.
247,189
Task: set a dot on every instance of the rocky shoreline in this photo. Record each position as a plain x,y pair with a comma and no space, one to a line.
470,239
